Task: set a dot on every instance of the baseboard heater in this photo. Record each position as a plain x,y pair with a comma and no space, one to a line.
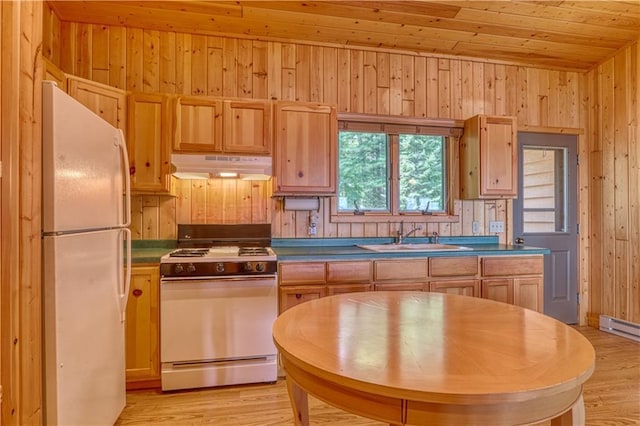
620,327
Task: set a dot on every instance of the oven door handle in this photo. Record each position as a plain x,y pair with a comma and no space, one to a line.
243,278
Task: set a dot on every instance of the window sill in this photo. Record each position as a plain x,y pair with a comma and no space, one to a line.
388,217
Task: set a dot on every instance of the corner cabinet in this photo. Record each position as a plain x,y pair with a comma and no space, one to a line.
488,158
107,102
142,335
306,136
148,142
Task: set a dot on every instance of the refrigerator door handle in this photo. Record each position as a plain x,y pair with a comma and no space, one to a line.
127,179
124,295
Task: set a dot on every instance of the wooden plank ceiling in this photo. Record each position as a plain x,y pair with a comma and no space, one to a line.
574,35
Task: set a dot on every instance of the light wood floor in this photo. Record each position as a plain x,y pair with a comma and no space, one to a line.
612,397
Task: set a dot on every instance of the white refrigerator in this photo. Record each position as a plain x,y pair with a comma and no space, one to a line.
86,262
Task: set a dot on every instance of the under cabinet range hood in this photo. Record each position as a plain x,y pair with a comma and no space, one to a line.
203,166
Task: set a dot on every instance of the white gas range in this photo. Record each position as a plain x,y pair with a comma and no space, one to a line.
218,304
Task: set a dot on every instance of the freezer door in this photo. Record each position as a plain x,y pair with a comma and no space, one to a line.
84,167
83,329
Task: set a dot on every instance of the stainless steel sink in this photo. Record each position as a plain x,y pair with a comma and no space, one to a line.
394,248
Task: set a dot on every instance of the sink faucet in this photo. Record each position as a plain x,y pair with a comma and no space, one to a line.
400,235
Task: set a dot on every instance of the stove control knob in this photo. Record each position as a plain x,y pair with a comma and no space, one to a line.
191,268
179,269
260,267
220,267
248,267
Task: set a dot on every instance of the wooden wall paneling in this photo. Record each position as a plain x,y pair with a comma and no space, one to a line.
150,61
244,69
408,86
344,80
135,60
229,67
384,229
606,122
420,86
634,175
183,63
343,230
230,203
198,71
356,81
136,217
212,193
522,111
259,60
433,101
584,202
510,90
199,201
621,146
100,53
167,229
596,242
330,229
303,72
84,53
68,40
456,227
620,288
455,109
242,196
383,82
370,83
478,88
183,201
301,224
51,34
330,76
214,67
499,83
395,84
444,89
289,77
466,93
167,62
315,74
150,217
489,88
274,70
117,57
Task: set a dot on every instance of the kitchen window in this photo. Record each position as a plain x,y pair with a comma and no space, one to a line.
394,169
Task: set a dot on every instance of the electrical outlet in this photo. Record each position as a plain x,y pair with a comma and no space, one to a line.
475,227
313,229
496,226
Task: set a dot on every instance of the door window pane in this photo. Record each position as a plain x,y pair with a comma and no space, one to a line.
544,190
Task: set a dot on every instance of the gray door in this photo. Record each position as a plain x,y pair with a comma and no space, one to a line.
545,215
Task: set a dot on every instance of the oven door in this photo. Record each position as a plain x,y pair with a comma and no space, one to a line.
217,319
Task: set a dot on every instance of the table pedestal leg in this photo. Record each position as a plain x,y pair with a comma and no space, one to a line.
573,417
299,403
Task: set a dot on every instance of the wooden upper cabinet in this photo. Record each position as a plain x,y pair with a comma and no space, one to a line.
107,102
488,158
197,124
305,148
247,127
149,129
53,73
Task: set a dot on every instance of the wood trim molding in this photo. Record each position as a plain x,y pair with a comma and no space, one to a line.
401,120
556,130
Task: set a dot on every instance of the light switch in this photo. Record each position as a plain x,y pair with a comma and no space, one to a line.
496,226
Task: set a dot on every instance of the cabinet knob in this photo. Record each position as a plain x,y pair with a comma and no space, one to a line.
300,174
298,296
137,292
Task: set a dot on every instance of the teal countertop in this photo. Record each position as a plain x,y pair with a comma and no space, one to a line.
150,251
346,248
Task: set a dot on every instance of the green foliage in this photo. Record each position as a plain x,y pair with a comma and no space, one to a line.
364,171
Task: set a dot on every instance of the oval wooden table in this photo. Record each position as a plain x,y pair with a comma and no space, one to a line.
433,359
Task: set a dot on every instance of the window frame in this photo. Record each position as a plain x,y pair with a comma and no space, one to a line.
394,126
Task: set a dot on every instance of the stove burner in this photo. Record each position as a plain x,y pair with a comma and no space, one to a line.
191,252
252,251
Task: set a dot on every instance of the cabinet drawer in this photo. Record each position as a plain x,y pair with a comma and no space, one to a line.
401,270
508,266
348,272
453,266
303,272
461,287
347,288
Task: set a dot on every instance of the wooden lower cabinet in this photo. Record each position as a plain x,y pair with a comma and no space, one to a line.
510,279
142,328
517,280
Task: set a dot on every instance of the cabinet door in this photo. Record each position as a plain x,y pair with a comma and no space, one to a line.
453,266
462,287
401,270
142,326
198,124
294,295
105,101
499,289
488,158
247,127
527,292
305,150
148,143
